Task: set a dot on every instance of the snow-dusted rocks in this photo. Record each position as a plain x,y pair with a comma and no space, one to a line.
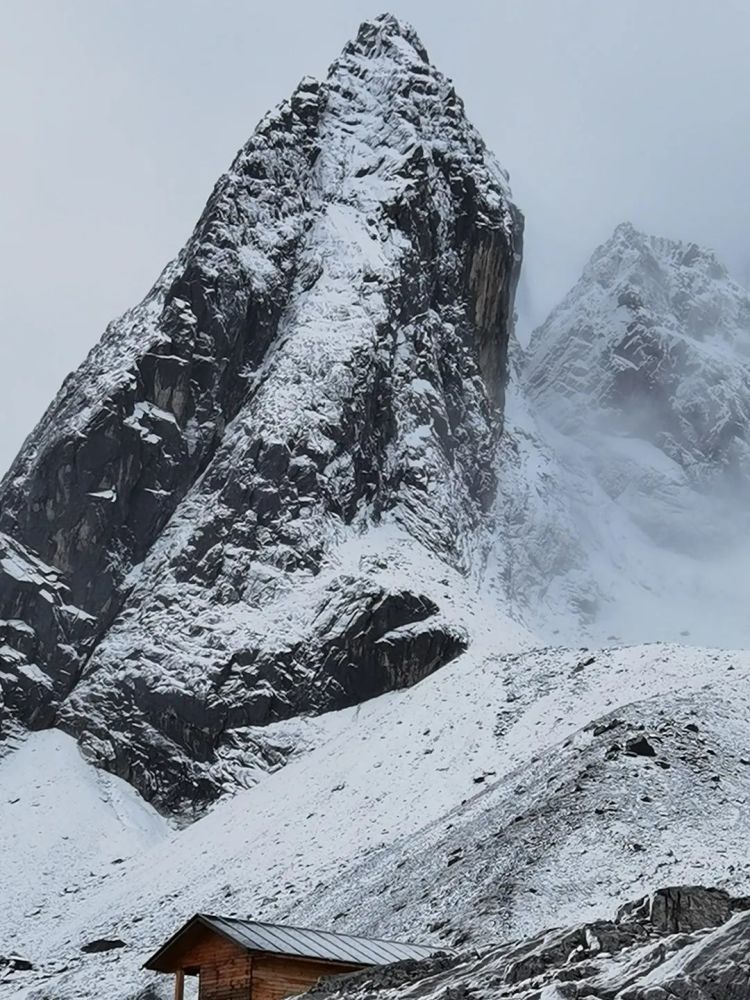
702,957
43,637
326,354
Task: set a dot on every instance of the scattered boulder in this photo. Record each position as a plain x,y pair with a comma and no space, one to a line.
102,944
639,746
14,963
604,727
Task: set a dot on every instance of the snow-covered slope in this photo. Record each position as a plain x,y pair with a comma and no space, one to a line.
498,796
623,504
65,827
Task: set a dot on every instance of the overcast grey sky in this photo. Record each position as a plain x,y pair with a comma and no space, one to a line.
117,117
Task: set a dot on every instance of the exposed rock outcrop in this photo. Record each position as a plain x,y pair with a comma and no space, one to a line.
699,953
43,637
681,910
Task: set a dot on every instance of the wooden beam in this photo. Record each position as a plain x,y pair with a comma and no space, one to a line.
179,985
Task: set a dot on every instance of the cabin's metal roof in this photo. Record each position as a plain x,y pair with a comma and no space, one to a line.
301,942
283,940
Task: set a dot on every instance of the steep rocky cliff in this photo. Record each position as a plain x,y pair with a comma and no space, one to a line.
325,358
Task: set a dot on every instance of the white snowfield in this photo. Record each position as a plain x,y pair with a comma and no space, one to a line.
64,825
474,806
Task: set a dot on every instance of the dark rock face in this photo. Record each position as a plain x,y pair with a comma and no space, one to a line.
39,626
698,953
362,642
388,642
132,429
324,360
682,909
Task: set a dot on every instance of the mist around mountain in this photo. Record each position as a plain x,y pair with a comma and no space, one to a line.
627,450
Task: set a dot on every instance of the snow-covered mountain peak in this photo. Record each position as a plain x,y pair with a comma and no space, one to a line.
654,337
386,91
668,274
260,481
390,35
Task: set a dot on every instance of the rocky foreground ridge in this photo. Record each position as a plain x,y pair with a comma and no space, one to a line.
685,942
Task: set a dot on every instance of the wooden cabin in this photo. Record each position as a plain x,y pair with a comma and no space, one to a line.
246,960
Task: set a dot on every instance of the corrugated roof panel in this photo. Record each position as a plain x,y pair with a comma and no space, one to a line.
307,943
355,950
291,937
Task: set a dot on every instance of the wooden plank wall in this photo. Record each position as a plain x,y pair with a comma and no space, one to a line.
225,970
230,981
275,976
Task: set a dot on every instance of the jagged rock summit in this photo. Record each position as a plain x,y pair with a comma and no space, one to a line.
249,500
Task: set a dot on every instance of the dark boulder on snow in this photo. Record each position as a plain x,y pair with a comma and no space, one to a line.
102,944
639,746
14,963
